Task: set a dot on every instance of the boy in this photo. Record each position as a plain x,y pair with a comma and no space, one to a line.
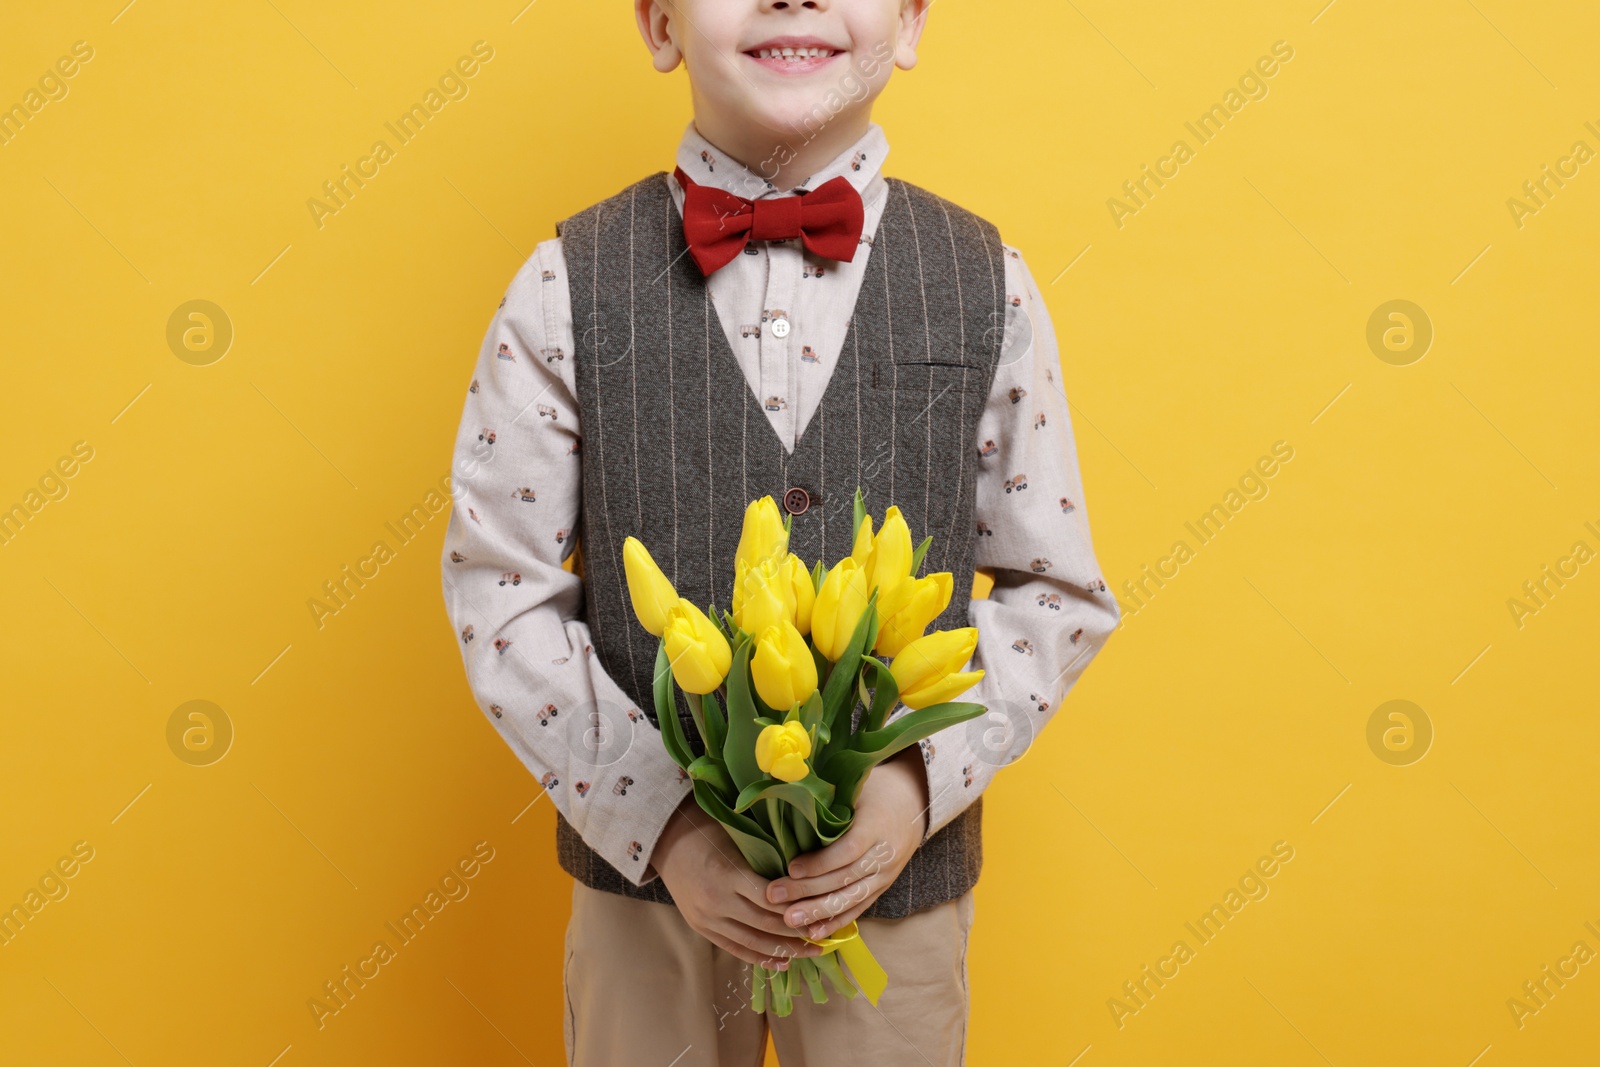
775,317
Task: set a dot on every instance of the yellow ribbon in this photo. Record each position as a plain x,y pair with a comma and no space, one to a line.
864,967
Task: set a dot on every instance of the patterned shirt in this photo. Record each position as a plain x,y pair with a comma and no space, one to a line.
517,610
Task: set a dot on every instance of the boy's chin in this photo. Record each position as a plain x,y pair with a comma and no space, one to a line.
796,115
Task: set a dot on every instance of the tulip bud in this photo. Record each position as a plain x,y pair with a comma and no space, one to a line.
740,570
652,595
699,654
763,537
892,548
798,577
784,670
891,563
841,602
928,598
781,751
765,598
864,551
928,669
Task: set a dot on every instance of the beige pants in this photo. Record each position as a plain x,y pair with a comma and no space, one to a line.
643,988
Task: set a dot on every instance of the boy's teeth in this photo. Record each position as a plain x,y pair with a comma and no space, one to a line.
793,53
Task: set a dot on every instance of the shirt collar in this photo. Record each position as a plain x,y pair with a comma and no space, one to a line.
704,163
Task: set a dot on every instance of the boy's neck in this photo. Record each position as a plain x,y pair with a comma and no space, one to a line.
781,160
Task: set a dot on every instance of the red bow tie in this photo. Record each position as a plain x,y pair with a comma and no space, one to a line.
718,224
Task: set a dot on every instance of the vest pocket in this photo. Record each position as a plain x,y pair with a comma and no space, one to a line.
946,378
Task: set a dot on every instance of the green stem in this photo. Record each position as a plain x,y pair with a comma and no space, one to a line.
758,990
776,810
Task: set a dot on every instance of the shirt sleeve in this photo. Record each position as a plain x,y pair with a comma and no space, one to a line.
1049,612
516,611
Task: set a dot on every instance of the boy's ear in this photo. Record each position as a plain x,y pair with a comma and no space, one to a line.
913,17
655,26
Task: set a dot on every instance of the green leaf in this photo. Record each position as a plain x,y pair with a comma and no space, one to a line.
860,509
810,712
697,714
755,844
934,717
780,825
667,712
722,628
818,573
885,692
739,751
708,718
805,834
806,793
754,791
713,772
847,768
922,550
759,814
812,797
716,725
837,693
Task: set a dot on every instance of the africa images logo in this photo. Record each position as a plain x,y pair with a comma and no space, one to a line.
339,991
452,85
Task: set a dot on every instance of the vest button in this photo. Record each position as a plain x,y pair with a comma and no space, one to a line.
796,501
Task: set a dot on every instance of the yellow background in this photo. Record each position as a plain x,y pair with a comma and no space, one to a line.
1228,714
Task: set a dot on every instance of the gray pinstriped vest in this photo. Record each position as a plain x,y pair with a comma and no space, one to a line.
675,444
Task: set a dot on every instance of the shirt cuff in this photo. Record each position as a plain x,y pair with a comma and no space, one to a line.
624,830
651,829
948,787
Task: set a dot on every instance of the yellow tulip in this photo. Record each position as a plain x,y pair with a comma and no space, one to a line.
927,669
763,537
652,595
892,549
765,598
891,563
840,604
781,751
698,652
740,569
864,551
798,577
783,667
929,596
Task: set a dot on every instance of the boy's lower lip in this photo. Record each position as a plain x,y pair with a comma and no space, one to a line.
793,66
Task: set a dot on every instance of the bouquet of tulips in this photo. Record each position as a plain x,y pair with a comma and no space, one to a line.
793,703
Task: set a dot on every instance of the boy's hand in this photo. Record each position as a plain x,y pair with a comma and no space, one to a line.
828,888
718,894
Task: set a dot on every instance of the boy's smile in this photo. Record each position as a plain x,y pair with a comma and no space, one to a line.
793,55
